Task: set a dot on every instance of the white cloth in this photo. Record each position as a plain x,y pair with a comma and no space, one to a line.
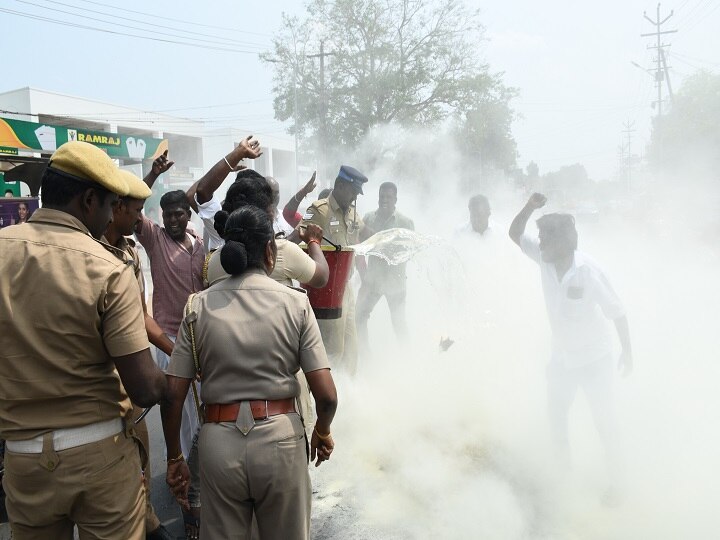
206,213
467,228
577,306
190,423
281,225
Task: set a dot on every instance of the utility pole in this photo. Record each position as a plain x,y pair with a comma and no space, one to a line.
322,139
661,70
628,131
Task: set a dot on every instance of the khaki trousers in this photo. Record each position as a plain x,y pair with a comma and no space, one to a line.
152,522
340,335
264,473
97,487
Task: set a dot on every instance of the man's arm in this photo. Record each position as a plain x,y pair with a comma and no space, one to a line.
143,381
517,227
208,184
623,330
159,166
156,336
290,210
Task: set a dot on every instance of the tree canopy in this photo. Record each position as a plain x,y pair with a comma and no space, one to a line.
409,62
688,136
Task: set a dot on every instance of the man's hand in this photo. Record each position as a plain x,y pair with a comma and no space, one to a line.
308,188
249,148
178,478
625,363
536,201
311,232
161,164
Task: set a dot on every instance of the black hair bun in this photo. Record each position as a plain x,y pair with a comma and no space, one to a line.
219,221
233,257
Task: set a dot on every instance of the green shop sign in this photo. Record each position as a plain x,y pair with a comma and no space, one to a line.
20,135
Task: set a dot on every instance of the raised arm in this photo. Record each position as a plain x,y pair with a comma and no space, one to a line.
159,166
517,227
208,184
290,210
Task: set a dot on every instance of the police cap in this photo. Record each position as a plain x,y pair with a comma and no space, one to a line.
352,176
137,189
88,163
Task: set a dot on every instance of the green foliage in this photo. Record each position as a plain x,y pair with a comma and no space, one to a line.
408,62
688,136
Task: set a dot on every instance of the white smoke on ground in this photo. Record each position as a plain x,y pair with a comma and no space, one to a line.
456,444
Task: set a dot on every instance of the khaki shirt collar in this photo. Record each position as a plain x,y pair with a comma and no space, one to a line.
58,217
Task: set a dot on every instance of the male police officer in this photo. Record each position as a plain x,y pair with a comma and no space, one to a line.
341,223
126,215
72,349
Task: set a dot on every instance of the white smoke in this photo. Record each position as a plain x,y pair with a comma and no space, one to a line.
456,444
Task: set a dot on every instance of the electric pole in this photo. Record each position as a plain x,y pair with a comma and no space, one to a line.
322,139
628,131
661,73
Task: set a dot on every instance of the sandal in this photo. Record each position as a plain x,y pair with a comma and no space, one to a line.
192,526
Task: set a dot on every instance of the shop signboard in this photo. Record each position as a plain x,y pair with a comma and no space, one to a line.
21,135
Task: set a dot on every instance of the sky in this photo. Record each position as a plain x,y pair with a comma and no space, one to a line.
571,62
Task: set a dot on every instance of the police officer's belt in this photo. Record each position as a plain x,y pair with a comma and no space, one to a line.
261,409
64,439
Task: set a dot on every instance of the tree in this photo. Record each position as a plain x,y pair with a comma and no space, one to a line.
409,62
687,138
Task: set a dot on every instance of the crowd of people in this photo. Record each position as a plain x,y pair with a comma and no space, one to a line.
242,364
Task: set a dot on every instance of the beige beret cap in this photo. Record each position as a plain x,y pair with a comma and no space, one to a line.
89,163
137,189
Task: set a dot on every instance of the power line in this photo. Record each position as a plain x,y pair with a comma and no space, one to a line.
661,73
114,32
177,20
155,32
154,24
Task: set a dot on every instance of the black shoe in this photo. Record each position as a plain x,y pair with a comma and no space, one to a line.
161,533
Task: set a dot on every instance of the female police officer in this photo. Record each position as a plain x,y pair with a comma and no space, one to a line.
251,335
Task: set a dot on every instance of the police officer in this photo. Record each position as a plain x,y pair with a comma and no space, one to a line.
126,215
72,350
341,223
249,335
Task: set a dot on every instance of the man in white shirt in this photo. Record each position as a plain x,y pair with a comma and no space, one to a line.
579,301
479,223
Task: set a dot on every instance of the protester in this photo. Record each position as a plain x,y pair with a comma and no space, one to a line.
578,298
340,222
176,261
290,211
380,278
202,193
479,222
126,215
72,350
252,445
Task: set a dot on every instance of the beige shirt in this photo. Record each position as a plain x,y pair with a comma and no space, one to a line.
67,305
340,227
252,336
291,263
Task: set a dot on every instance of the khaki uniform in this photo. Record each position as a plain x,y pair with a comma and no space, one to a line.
343,228
130,253
291,263
252,335
67,306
